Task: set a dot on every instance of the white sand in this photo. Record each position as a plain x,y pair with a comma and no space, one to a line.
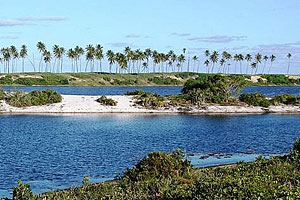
88,104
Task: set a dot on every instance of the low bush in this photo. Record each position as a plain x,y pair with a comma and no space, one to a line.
6,80
151,100
2,94
210,89
103,100
30,81
164,81
284,99
255,99
135,92
22,192
277,79
34,98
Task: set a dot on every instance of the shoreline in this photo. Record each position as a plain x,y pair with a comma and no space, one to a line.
84,104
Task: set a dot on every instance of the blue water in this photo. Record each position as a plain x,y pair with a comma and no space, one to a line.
119,90
54,152
114,90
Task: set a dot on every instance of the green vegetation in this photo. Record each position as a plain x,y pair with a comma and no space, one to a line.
2,94
211,89
258,99
279,79
34,98
135,92
103,100
151,79
169,176
255,99
287,99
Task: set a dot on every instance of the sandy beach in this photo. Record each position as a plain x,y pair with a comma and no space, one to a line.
88,104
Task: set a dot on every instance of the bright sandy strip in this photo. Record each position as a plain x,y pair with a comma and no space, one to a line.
88,104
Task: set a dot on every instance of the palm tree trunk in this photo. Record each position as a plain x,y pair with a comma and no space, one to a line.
270,67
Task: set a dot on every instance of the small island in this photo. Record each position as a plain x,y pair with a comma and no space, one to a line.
210,94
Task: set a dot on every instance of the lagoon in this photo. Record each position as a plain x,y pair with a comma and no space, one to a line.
55,151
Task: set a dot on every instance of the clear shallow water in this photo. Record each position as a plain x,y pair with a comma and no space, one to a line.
119,90
54,152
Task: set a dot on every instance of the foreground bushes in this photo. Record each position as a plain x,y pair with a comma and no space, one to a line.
103,100
34,98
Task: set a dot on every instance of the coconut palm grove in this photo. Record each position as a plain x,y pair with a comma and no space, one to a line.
90,59
149,100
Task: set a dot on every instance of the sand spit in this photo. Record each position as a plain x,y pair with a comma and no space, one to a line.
88,104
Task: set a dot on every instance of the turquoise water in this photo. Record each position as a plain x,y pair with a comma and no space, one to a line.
54,152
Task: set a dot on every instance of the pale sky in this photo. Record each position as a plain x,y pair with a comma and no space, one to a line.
265,26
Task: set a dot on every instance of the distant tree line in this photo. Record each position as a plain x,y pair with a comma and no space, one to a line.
90,58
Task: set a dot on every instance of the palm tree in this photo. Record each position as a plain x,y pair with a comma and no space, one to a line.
181,60
195,58
23,54
41,47
222,62
148,54
227,58
111,58
56,52
248,58
289,63
214,59
6,57
72,56
266,58
99,56
236,59
257,61
60,57
206,63
253,66
15,55
272,59
90,56
241,58
47,59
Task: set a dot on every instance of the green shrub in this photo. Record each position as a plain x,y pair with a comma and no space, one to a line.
103,100
164,81
184,75
296,146
6,80
284,99
277,79
210,89
2,95
159,165
22,192
135,92
255,99
150,100
34,98
30,81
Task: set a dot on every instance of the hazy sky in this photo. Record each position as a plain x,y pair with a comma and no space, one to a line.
266,26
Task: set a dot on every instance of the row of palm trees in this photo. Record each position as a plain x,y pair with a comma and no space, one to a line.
134,61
